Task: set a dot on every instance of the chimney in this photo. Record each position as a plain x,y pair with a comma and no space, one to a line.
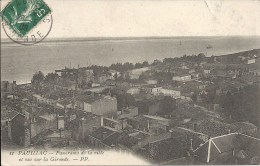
191,144
229,131
148,125
122,121
195,127
102,121
171,132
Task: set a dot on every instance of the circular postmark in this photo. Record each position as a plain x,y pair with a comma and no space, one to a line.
37,34
27,22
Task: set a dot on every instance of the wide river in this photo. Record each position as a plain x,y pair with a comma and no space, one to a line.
21,62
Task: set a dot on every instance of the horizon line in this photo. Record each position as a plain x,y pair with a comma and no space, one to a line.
144,37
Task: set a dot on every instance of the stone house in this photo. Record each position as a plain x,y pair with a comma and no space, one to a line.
18,129
83,125
97,104
167,91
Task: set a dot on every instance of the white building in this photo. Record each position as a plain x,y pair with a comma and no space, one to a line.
206,71
250,61
166,92
133,91
171,92
156,90
182,78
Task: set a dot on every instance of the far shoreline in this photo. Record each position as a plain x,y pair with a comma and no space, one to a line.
25,82
111,39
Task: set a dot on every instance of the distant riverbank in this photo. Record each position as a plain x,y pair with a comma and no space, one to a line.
20,63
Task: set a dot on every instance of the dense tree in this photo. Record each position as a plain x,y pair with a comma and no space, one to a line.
128,66
97,70
167,105
163,77
144,75
122,67
83,84
156,62
192,58
169,60
138,65
243,105
145,64
228,104
51,77
124,100
38,78
115,76
201,56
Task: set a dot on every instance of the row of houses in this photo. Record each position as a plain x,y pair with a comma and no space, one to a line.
147,135
24,126
151,137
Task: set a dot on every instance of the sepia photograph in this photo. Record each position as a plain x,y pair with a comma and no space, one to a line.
120,82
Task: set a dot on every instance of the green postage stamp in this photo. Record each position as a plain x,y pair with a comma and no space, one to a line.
23,15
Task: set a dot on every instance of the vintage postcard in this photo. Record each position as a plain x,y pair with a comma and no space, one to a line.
120,82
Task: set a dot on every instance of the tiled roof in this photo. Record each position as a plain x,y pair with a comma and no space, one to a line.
41,136
102,133
222,145
243,126
132,139
213,128
9,115
89,98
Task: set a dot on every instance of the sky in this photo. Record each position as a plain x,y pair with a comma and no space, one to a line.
151,18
